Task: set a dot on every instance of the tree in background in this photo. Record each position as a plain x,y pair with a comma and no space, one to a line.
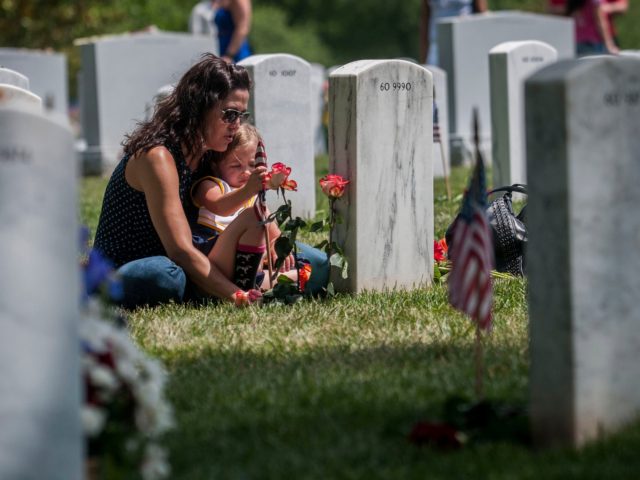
325,31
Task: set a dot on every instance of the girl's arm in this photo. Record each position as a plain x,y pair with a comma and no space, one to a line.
241,14
209,194
154,173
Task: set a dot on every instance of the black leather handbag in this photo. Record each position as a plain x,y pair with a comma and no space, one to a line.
509,231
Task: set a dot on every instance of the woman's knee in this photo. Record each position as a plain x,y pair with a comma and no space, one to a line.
152,281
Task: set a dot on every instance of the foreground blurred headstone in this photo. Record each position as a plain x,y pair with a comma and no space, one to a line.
583,129
40,390
510,64
11,77
464,44
10,95
47,74
280,107
120,76
380,138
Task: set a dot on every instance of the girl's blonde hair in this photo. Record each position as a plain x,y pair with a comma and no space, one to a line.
246,134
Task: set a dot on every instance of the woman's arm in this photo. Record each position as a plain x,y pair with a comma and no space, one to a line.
154,173
603,27
481,5
241,14
619,6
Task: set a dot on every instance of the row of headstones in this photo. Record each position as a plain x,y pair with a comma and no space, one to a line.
116,87
278,75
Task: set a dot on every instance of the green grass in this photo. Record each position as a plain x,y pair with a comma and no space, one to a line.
330,389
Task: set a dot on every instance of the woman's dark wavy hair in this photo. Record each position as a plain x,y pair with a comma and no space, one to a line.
179,118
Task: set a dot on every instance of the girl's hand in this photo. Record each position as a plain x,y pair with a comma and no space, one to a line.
254,184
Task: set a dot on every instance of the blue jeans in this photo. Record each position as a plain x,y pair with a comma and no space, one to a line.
155,280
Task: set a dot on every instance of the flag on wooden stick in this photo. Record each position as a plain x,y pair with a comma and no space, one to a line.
471,251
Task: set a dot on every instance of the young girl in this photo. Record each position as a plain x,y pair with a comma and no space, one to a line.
222,197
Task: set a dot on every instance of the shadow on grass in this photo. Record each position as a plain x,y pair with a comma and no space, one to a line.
338,413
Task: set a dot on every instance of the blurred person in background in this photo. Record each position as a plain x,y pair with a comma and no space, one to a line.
433,10
232,19
592,27
611,9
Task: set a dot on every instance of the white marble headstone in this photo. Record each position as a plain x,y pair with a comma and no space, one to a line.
10,95
464,43
583,129
121,74
40,388
280,107
380,138
318,79
510,64
441,100
47,74
11,77
201,20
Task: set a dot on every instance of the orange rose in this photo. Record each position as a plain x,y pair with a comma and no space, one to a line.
278,178
304,273
333,186
290,185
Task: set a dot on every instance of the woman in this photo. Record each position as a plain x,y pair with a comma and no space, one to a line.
144,223
233,21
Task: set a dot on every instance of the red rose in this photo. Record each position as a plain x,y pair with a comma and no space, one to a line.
440,249
333,186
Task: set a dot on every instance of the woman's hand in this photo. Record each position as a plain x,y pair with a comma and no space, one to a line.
289,263
244,299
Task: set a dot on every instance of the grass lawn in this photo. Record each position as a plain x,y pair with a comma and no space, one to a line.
330,389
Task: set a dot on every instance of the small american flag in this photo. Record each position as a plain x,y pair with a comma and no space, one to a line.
261,155
471,251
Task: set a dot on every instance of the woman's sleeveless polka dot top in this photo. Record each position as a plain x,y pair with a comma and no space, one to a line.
125,231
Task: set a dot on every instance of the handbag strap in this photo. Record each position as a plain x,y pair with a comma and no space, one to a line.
516,187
